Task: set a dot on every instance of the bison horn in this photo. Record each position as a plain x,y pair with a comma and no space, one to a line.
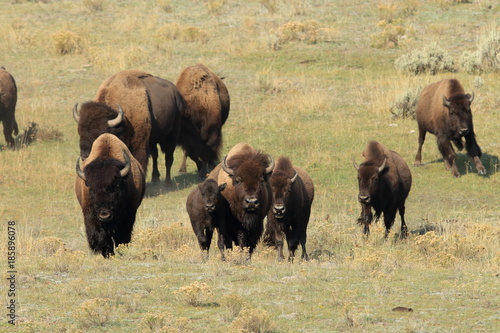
446,102
126,168
76,114
356,166
294,176
226,168
270,168
382,167
79,171
119,118
471,97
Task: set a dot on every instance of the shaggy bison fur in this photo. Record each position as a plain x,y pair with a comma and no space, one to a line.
443,109
8,100
384,183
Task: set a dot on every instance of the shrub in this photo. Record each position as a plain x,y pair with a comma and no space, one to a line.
66,42
432,59
94,312
487,56
233,304
392,32
163,322
405,104
195,294
299,31
252,321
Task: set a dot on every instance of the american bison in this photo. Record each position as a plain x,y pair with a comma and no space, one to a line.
207,210
109,186
293,194
206,110
443,109
384,183
149,113
248,192
8,100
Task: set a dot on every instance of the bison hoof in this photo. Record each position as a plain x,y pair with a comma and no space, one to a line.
417,164
482,171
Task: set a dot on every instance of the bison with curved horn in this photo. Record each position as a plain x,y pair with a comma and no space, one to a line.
148,114
109,186
384,181
443,109
293,194
248,192
8,100
205,112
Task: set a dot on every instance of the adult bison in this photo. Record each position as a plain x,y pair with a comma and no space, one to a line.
443,109
293,194
109,187
206,110
248,192
207,210
384,183
8,100
148,113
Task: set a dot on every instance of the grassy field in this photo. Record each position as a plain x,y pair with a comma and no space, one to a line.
305,82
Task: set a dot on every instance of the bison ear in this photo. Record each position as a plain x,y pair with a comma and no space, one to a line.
446,102
222,187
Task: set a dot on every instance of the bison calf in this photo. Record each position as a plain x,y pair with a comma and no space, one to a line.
109,188
384,183
206,208
293,194
443,109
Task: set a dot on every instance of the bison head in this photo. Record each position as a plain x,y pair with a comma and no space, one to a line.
459,113
95,119
249,176
210,194
368,180
281,185
107,185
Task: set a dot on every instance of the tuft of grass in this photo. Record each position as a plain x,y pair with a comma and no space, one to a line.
390,35
232,304
66,42
253,320
195,294
431,59
95,312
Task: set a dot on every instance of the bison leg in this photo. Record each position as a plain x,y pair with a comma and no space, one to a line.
421,139
7,133
221,242
183,167
389,216
365,218
474,151
448,154
168,149
278,240
404,228
303,245
154,157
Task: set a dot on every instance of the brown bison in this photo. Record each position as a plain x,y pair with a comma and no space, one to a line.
206,110
207,211
149,113
293,194
245,171
384,183
443,109
8,100
109,187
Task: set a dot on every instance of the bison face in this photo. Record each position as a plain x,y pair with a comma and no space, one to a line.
106,181
281,185
368,180
249,181
210,194
460,114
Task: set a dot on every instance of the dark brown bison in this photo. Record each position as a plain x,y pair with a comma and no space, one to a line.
206,110
148,113
109,187
207,210
245,171
384,183
8,100
443,109
293,194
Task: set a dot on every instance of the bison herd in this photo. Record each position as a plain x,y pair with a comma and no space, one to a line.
133,112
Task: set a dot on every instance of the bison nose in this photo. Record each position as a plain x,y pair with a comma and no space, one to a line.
363,198
105,216
209,207
251,204
279,210
464,130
